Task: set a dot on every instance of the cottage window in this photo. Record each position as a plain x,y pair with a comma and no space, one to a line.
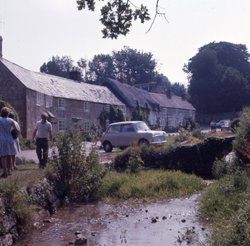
61,125
39,99
86,125
49,101
61,103
86,106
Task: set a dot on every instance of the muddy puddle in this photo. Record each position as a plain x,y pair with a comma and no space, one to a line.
167,223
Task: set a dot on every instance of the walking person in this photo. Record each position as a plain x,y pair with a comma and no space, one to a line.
42,134
8,147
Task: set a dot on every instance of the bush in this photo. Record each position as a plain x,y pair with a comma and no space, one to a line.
5,104
226,204
241,144
221,168
78,176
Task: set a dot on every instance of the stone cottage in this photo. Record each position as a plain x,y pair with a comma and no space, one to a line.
70,102
166,111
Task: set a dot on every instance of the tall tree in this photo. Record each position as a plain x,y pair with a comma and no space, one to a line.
59,66
100,67
219,77
133,66
178,89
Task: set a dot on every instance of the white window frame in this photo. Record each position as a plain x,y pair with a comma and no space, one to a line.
86,106
61,103
86,125
61,125
48,101
39,99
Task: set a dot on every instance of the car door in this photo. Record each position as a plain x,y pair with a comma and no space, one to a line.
127,135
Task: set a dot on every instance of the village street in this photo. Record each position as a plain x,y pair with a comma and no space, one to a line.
104,157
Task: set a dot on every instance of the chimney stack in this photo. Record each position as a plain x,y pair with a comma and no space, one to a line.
1,43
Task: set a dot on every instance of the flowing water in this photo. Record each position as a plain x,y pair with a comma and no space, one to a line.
168,223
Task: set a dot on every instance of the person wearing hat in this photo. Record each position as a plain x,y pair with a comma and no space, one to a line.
7,144
42,134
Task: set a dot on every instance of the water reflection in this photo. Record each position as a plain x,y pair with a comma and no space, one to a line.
157,224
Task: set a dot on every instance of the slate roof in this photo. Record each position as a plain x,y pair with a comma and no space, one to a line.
130,95
60,87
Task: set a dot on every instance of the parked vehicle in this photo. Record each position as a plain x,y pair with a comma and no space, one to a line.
223,124
127,133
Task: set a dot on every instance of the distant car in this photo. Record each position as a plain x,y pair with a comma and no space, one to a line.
126,133
223,124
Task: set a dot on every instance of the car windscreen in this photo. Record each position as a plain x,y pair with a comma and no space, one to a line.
141,126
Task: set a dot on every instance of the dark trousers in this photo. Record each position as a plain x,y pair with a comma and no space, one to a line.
42,148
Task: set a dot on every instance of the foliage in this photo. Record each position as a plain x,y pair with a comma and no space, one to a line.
198,134
235,124
6,104
79,176
133,66
192,156
219,77
150,185
17,203
59,66
100,68
114,115
117,16
225,203
140,113
241,144
178,89
221,168
135,162
103,118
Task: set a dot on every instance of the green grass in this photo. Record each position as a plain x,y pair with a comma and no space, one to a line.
149,185
26,175
225,204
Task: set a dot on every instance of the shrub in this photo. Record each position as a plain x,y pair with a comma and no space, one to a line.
226,204
198,134
78,175
134,162
5,104
241,144
221,168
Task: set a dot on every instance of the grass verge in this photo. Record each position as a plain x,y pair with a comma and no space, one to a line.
226,205
149,185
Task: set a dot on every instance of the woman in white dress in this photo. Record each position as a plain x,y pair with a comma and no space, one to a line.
8,147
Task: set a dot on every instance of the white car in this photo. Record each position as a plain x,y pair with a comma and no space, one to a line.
223,124
127,133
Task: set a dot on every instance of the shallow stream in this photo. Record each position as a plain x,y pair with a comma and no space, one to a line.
167,223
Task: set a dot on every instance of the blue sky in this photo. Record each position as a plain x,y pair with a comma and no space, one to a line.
35,30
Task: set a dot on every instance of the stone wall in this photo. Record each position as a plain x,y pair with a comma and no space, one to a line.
13,92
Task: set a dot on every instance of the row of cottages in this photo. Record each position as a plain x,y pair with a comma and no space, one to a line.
166,111
70,102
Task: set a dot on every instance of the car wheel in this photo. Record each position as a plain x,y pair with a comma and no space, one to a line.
143,143
107,146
